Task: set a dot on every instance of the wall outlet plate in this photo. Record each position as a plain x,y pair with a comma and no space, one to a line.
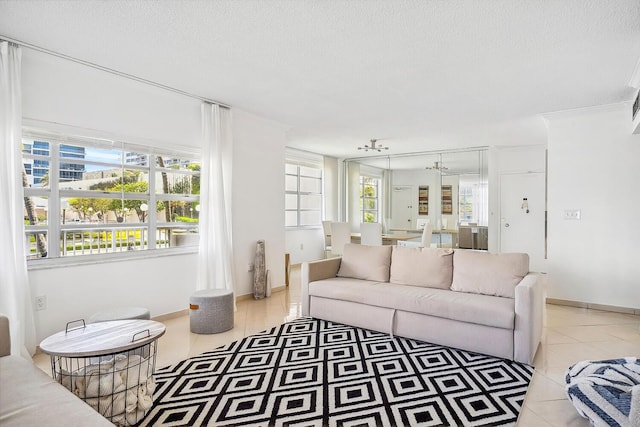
41,302
571,214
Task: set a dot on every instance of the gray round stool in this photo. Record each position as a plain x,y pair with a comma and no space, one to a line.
211,311
121,313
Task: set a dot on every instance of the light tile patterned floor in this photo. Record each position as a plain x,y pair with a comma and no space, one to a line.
570,335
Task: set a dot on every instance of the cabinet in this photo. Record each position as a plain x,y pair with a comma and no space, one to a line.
423,200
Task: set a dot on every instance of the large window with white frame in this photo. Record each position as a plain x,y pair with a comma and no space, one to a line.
84,196
303,192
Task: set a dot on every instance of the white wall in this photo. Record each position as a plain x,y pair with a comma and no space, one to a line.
162,285
593,167
305,245
258,196
60,92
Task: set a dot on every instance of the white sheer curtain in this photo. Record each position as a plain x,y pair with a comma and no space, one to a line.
15,296
215,263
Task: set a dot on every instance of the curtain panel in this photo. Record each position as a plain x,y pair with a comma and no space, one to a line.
215,258
15,294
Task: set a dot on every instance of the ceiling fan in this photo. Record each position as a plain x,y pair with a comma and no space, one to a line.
373,146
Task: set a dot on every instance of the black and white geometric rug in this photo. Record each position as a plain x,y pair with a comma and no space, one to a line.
311,372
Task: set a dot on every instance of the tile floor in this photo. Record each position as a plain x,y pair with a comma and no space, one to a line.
570,334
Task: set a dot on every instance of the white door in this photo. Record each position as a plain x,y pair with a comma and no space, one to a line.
522,222
402,207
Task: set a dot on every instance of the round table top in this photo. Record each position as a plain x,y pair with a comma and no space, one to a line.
98,339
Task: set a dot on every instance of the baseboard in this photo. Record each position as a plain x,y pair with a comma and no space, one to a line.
170,316
250,296
601,307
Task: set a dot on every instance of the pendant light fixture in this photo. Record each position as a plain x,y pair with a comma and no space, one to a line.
373,146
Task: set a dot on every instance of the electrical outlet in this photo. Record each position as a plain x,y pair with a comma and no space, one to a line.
41,302
301,246
249,267
571,214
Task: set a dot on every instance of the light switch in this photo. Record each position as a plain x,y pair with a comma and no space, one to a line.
571,214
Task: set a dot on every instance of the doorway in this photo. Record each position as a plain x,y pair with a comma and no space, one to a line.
402,207
523,216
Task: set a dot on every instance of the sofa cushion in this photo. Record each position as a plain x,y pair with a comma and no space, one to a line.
464,307
29,397
428,267
480,272
365,262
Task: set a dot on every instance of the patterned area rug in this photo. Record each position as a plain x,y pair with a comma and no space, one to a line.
312,372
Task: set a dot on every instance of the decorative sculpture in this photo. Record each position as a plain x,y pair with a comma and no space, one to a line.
259,273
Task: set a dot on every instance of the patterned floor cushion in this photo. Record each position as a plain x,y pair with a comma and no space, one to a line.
606,392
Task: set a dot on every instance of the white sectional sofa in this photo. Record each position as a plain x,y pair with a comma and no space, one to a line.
29,397
472,300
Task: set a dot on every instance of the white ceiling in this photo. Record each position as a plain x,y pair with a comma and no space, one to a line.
421,74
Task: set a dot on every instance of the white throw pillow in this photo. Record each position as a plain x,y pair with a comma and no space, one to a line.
427,267
484,273
365,262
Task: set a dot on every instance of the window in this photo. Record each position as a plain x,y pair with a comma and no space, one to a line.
108,197
369,203
465,203
303,193
473,201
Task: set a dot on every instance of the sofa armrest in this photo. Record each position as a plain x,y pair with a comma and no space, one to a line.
5,336
316,270
529,305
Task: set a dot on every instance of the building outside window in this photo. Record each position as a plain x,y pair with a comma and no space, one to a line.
369,199
88,197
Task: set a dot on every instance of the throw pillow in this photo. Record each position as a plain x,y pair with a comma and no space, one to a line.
365,262
481,272
427,267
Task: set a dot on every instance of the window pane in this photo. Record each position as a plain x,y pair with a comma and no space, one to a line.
36,162
290,218
310,185
309,218
177,183
36,211
310,201
310,172
36,244
177,176
290,183
291,169
370,204
290,201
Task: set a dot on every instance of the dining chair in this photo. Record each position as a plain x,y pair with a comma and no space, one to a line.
326,232
371,234
426,235
420,223
340,236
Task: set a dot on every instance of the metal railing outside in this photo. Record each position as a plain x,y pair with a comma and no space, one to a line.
94,239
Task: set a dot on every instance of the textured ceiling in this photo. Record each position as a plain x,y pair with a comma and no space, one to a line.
422,74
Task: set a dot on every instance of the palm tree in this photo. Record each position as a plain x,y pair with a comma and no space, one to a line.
41,241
